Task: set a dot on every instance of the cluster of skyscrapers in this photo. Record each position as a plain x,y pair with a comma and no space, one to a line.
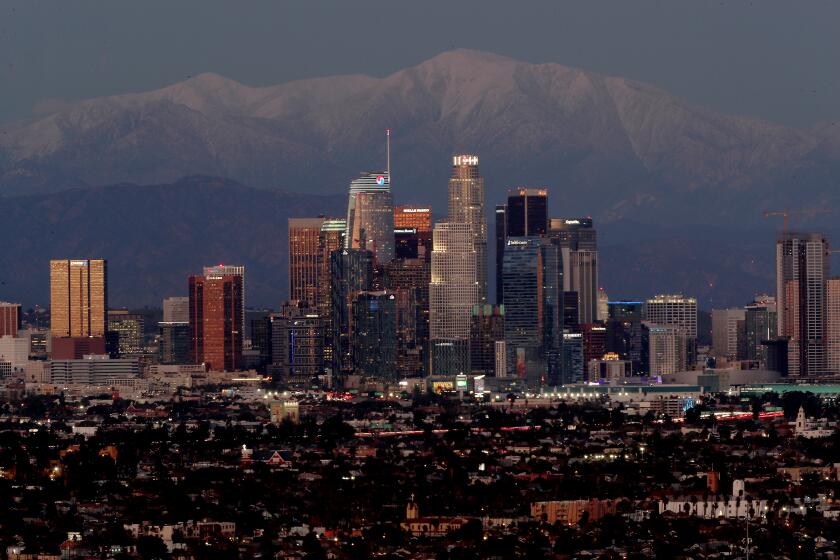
386,292
798,331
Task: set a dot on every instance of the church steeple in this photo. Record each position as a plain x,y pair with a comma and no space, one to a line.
801,420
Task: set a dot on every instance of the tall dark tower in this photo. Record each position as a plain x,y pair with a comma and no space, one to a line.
527,212
501,239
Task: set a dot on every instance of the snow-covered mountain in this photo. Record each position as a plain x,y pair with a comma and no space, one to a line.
609,147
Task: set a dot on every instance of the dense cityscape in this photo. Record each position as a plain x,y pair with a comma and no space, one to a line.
391,408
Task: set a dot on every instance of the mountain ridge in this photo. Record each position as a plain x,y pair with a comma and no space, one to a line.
606,146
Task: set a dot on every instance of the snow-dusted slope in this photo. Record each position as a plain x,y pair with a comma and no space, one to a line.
619,144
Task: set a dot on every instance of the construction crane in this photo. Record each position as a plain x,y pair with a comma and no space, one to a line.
785,214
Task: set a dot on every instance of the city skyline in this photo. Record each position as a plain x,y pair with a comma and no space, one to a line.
419,280
618,208
319,257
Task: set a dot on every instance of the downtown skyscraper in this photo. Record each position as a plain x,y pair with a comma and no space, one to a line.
466,206
370,216
532,279
305,259
453,291
407,278
578,242
351,273
231,270
78,298
9,318
679,312
216,318
524,214
311,242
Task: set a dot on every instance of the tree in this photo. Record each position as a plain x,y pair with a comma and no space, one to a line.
151,547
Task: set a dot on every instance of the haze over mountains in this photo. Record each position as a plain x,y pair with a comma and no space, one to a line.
622,151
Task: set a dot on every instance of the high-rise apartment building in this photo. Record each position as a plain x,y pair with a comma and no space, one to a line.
832,315
216,319
370,216
726,324
526,214
176,310
667,349
802,267
78,298
675,310
453,291
466,206
9,318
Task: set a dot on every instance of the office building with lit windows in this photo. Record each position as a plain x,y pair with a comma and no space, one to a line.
675,310
466,206
526,214
578,242
370,216
78,298
9,318
760,327
487,327
374,337
305,259
532,277
351,272
216,319
802,269
453,291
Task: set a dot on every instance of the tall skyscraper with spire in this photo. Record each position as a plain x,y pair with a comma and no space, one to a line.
466,206
370,213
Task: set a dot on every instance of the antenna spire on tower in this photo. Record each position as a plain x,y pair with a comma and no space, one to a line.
388,152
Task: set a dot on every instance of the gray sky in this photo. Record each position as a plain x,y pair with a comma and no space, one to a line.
778,60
